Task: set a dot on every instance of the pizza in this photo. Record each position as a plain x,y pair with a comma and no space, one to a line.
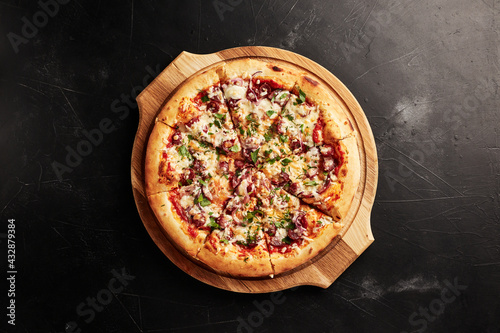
251,167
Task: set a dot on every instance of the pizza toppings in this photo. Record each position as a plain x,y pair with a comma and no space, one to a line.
244,158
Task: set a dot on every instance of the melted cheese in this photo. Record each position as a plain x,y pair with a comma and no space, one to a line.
178,162
281,233
234,92
187,201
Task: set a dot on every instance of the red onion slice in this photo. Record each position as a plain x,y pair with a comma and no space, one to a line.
264,90
325,186
213,106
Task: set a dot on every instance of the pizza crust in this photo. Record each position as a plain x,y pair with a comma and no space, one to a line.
283,262
230,259
336,124
263,70
178,108
178,230
156,144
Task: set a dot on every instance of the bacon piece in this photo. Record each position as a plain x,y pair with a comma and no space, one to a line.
312,172
275,241
177,138
328,163
232,103
318,132
192,121
213,106
282,179
224,166
224,221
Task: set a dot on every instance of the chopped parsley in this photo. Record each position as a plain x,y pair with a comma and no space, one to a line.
311,183
301,99
220,116
217,123
241,130
235,149
270,113
287,240
267,137
254,155
203,182
283,138
286,161
290,117
205,99
212,224
184,152
202,201
225,241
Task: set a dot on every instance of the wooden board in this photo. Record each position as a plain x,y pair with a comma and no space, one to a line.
354,238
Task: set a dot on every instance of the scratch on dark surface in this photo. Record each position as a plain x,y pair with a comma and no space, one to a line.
131,27
423,167
199,28
288,13
430,199
368,16
126,310
8,202
71,106
39,177
82,226
382,64
59,87
487,264
57,232
193,326
159,48
433,216
414,172
165,300
379,295
417,245
254,21
31,88
353,304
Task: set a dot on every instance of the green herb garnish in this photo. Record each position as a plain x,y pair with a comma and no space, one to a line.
254,155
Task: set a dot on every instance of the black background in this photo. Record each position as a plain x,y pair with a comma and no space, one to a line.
427,76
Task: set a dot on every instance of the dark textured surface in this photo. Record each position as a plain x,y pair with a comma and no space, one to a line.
426,74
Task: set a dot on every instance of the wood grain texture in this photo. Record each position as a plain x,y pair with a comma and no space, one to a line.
354,238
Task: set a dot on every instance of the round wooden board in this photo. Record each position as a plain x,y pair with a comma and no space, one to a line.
356,235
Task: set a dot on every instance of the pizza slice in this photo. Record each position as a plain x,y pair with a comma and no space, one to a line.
237,245
255,94
198,109
325,176
311,117
178,224
188,212
295,232
167,160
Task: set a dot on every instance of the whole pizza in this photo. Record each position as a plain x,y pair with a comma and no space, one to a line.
251,167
